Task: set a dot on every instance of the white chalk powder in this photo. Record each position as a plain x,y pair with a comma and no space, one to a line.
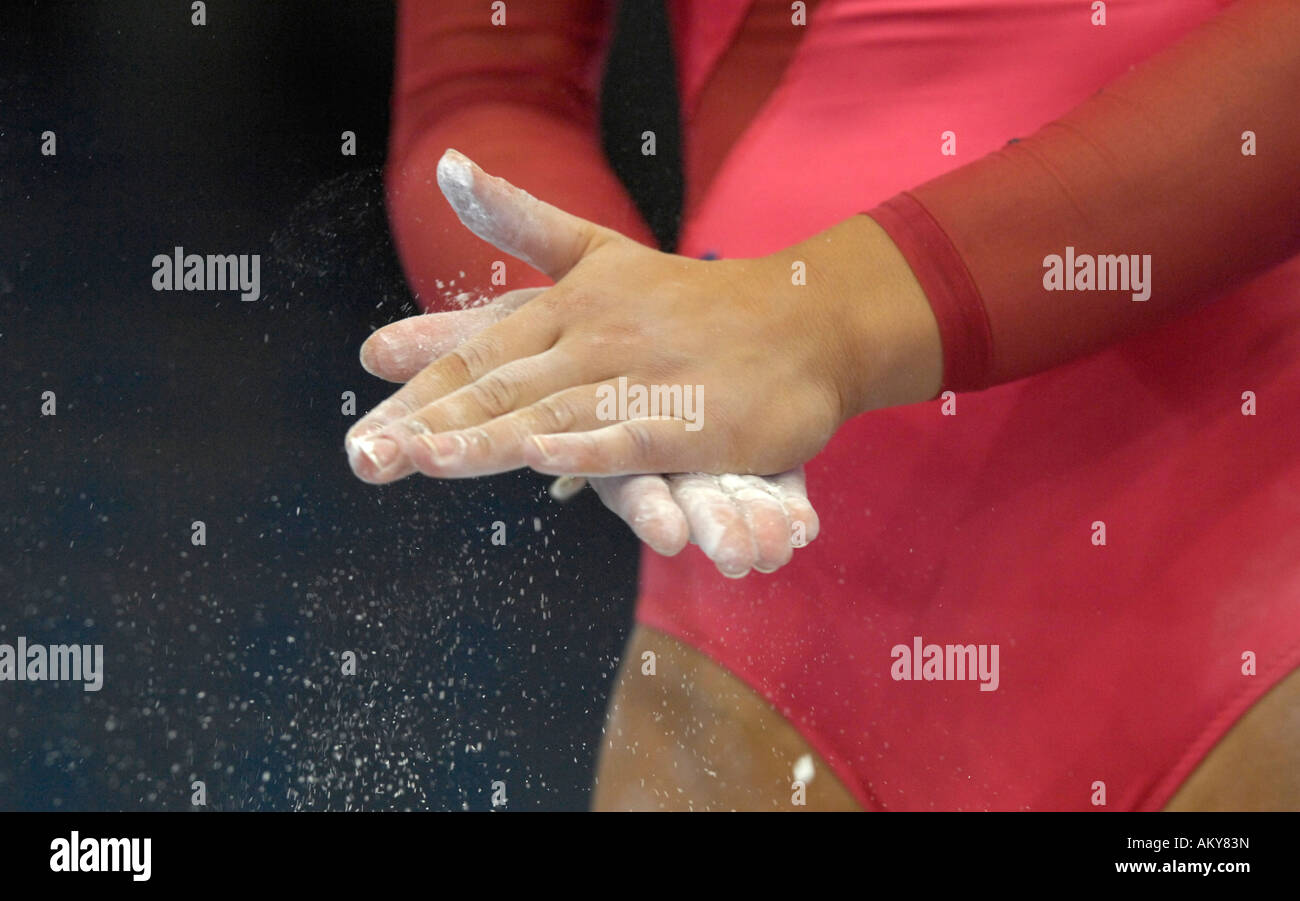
514,213
804,771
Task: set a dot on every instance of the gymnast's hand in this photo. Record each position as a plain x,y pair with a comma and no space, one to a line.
781,364
740,522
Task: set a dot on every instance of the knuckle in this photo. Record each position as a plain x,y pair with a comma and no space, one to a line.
640,440
494,393
553,414
418,424
592,240
396,407
573,301
474,356
619,342
479,439
388,411
554,302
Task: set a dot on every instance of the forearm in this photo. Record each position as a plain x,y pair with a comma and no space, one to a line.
1153,166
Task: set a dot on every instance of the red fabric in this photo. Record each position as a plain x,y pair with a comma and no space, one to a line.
947,283
1152,164
1120,664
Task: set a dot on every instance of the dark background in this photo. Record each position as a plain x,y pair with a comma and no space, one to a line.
476,662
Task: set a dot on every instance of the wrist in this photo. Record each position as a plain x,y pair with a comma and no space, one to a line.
883,344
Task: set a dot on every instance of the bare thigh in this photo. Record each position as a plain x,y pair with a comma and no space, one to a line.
692,736
1256,766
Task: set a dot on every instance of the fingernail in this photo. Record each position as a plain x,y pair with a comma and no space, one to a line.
542,446
454,171
446,448
460,159
362,429
368,354
381,451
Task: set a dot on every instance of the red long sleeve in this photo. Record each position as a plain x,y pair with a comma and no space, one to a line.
521,100
1151,165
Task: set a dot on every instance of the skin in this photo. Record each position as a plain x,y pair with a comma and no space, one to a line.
859,335
1256,766
503,376
695,737
757,522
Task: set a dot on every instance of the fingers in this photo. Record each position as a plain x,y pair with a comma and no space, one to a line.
397,352
717,524
646,445
769,526
501,365
509,342
805,525
514,221
646,504
446,439
373,456
374,444
566,487
746,522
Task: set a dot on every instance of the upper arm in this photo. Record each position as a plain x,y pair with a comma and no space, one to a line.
547,55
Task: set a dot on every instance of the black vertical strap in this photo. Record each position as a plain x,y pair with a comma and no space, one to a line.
639,94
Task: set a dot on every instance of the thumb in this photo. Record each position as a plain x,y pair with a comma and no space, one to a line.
514,221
